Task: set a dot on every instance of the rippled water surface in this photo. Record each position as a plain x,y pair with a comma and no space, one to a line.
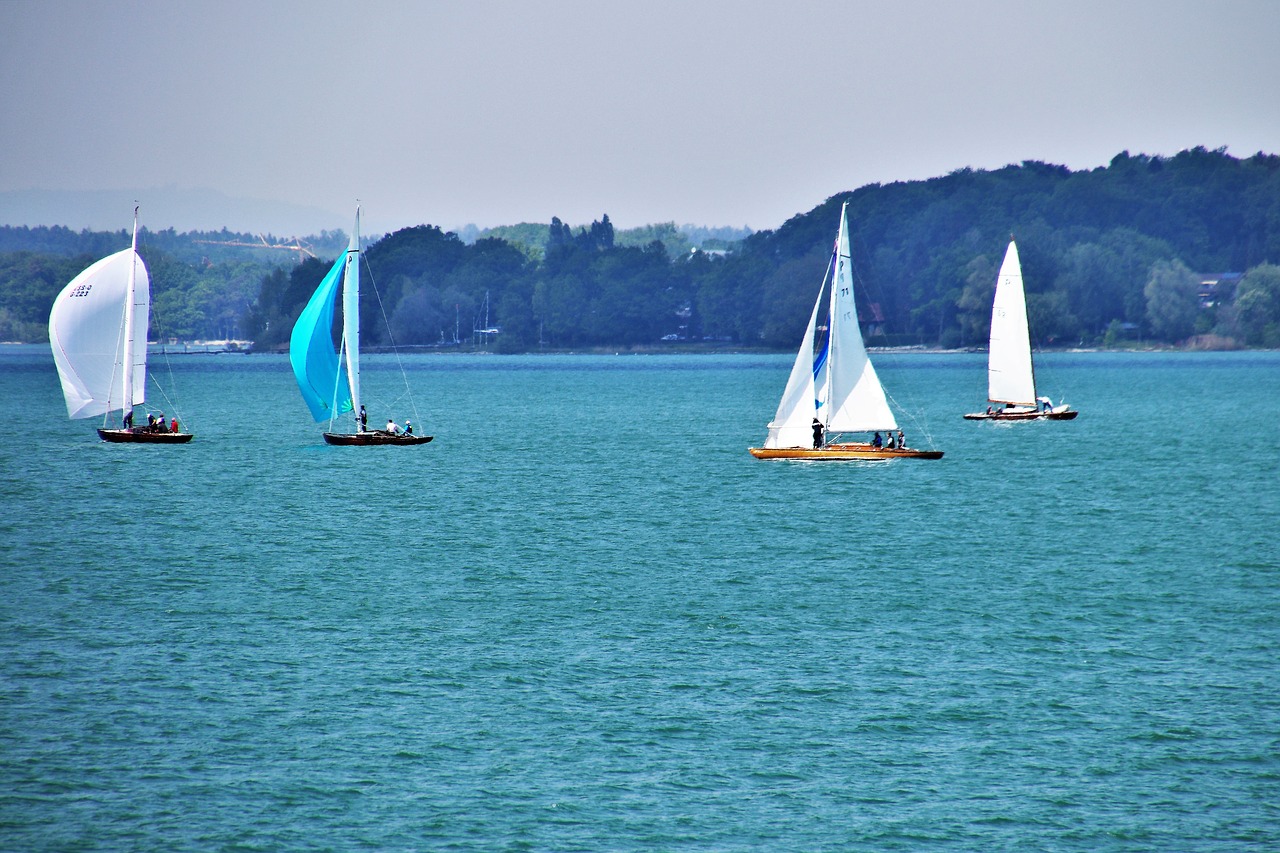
584,618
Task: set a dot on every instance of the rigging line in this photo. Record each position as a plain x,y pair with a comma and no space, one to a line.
153,317
172,404
164,350
391,338
921,423
337,383
874,291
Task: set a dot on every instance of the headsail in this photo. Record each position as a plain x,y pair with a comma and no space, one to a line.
311,352
791,425
1009,372
87,334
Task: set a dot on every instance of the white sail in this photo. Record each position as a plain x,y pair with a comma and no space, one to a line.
856,398
792,424
351,314
832,378
87,332
1009,373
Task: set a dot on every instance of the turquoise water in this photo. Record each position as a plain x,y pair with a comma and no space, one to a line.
584,618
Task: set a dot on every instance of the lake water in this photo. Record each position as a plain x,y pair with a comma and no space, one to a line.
584,618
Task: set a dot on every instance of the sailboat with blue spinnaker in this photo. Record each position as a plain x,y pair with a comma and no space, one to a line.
327,390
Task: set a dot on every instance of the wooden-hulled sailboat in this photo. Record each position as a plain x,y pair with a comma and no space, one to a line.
98,333
1011,382
833,388
317,366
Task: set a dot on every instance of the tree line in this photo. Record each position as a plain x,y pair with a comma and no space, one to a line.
1113,253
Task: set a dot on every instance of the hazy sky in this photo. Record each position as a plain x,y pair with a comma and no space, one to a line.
714,113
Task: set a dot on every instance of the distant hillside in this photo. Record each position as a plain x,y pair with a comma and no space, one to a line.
532,237
1177,249
163,208
926,252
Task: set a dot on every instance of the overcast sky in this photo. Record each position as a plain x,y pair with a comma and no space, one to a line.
713,113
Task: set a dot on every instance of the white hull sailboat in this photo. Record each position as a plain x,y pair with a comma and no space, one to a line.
98,333
833,389
1011,382
327,390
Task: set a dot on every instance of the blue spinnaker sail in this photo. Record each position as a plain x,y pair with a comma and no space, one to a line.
315,363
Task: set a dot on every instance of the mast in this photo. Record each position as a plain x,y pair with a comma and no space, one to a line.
834,320
130,295
351,316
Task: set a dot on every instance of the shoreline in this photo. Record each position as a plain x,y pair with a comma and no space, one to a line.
215,348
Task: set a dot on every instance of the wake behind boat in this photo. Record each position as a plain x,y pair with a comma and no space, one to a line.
98,333
1011,381
329,392
833,387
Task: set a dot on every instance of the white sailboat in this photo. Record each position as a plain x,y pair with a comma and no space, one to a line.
98,333
1011,382
833,388
327,390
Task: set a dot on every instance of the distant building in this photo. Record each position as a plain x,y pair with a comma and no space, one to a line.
1218,287
873,316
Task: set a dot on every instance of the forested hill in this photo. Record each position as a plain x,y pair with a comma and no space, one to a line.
1114,253
927,251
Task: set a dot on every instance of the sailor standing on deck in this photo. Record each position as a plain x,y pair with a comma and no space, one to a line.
818,430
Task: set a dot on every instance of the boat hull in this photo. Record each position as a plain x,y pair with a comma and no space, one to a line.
1062,413
143,436
371,439
843,451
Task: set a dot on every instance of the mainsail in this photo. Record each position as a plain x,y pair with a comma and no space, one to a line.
1009,373
854,392
832,379
92,327
351,313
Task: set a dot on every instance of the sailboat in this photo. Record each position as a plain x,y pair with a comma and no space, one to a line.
98,333
1011,380
833,387
329,392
